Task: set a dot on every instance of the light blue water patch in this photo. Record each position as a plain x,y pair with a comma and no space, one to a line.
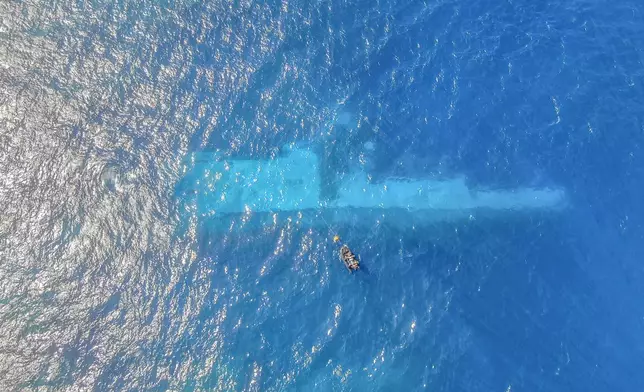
222,186
216,187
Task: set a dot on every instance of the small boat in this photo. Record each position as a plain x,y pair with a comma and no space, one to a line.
349,259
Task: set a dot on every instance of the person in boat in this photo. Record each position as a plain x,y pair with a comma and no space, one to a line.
349,259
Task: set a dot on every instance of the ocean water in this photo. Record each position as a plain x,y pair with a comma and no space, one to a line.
108,284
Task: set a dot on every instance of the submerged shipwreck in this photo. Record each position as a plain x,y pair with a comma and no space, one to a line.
292,183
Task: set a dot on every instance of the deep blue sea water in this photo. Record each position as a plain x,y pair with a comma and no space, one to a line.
107,285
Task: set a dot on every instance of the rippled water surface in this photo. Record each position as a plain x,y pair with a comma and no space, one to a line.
108,283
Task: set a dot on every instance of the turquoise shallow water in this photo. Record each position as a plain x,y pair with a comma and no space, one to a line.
109,282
